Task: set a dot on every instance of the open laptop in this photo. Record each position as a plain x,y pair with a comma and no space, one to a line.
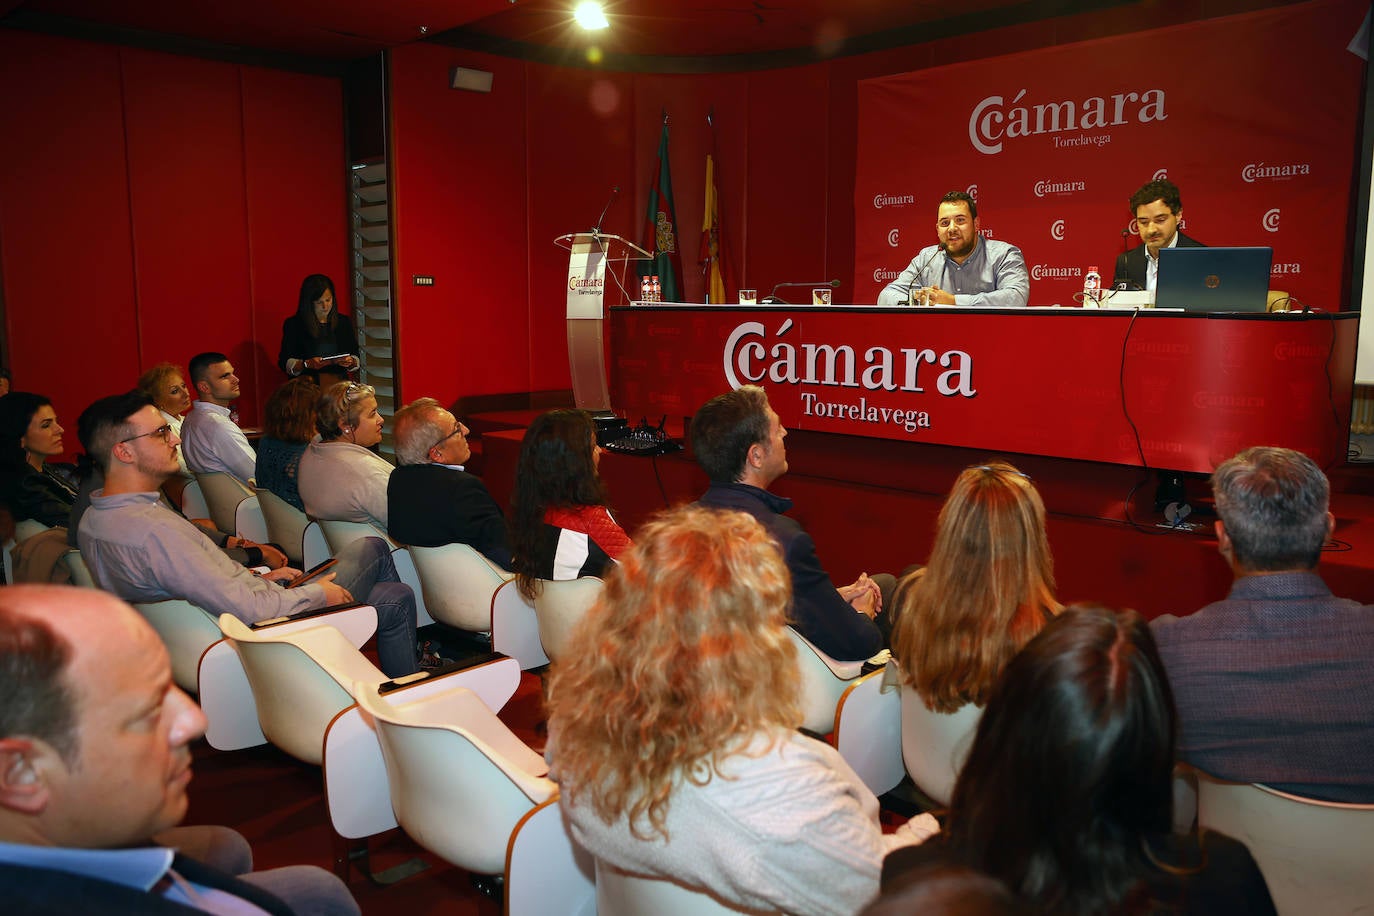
1214,279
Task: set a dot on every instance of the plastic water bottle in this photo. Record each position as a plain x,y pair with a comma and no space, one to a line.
657,290
1092,288
645,289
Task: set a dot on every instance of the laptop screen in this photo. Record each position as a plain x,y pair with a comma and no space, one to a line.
1214,279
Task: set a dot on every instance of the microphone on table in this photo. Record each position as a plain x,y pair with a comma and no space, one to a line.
921,272
773,299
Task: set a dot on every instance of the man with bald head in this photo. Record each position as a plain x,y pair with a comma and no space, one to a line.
94,762
431,499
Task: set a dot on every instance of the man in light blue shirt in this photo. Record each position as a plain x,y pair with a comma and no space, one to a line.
211,440
964,268
94,761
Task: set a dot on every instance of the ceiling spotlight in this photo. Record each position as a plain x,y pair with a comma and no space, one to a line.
590,16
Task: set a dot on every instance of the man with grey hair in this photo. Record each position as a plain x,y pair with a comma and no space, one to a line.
431,499
1273,683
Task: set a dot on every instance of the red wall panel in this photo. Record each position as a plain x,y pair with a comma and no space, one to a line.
186,179
295,172
65,247
159,206
459,190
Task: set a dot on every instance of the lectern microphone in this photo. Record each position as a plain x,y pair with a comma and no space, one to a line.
615,192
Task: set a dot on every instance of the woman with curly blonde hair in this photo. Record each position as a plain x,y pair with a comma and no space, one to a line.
988,588
673,729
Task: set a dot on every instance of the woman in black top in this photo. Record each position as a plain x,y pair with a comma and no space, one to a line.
317,341
1066,796
29,436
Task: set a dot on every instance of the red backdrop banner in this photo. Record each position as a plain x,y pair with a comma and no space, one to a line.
1252,116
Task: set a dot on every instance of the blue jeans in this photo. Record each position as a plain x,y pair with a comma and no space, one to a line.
366,570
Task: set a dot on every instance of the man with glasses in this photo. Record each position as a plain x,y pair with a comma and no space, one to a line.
432,500
1157,209
141,550
964,268
214,441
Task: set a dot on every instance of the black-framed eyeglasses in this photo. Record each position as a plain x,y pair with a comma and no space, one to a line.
165,431
460,428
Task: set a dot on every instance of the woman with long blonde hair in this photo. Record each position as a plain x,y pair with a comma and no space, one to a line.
987,589
673,729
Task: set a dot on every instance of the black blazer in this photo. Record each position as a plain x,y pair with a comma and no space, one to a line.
49,892
296,343
429,505
1131,268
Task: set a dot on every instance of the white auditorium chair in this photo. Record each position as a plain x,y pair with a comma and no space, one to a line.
868,732
824,681
1316,856
289,527
515,628
339,534
458,584
559,606
467,789
935,744
223,493
192,501
204,664
22,531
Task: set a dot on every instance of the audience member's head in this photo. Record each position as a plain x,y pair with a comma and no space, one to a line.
347,411
120,423
289,415
557,468
988,588
213,377
316,307
29,431
426,433
738,438
947,890
165,386
1071,770
1272,503
94,736
681,662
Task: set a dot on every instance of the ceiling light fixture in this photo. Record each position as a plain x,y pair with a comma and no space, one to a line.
590,16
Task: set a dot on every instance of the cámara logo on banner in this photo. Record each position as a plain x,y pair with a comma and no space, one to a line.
893,200
1259,171
1058,188
750,358
885,274
1054,272
993,120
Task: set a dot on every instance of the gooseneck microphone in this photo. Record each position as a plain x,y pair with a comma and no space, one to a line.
773,299
615,192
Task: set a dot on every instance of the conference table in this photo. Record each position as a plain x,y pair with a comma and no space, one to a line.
1148,388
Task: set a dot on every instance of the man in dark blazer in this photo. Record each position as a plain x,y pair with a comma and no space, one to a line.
95,760
431,499
1272,683
738,441
1157,209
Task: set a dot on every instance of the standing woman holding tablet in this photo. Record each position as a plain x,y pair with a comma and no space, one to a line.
317,341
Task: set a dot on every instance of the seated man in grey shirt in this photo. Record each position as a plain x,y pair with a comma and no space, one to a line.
141,550
965,268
